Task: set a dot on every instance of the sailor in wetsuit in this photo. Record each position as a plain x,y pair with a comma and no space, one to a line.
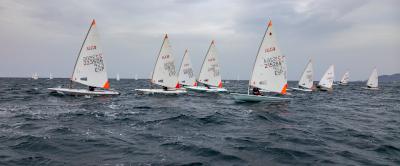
165,88
256,91
91,88
207,86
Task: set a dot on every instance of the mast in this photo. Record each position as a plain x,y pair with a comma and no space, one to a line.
158,57
255,60
77,58
205,58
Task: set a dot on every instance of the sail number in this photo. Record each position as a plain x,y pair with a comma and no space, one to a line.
269,49
189,72
170,67
275,63
96,60
165,56
93,47
215,69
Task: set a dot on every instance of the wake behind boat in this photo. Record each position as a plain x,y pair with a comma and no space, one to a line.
209,74
89,70
269,73
164,73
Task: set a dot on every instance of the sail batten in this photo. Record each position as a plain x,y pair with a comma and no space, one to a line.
164,73
210,70
269,71
90,68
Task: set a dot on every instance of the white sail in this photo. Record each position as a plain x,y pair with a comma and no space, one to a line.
269,72
164,72
209,73
186,75
117,77
90,68
306,80
328,78
373,79
345,79
50,76
35,76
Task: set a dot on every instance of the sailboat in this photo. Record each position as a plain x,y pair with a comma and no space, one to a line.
186,76
136,77
164,73
50,76
345,79
326,82
35,76
269,73
372,83
209,74
306,81
117,78
89,70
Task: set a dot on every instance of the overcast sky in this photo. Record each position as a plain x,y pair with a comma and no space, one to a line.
45,36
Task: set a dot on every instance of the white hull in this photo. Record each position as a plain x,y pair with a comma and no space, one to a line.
301,89
253,98
321,88
160,91
82,92
343,84
370,88
205,89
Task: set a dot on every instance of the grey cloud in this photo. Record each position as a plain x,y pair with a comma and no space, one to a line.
339,32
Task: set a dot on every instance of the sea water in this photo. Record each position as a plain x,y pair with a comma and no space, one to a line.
349,126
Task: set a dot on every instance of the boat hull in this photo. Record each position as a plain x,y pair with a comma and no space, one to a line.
302,89
82,92
253,98
205,89
160,91
322,88
370,88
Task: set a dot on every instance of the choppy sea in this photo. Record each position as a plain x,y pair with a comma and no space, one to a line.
349,126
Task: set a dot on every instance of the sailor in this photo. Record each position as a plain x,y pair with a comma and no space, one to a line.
165,88
91,88
256,91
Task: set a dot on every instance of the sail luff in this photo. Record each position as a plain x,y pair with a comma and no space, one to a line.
204,61
80,50
183,59
158,57
258,53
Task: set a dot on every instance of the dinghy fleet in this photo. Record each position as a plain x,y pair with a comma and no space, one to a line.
268,81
